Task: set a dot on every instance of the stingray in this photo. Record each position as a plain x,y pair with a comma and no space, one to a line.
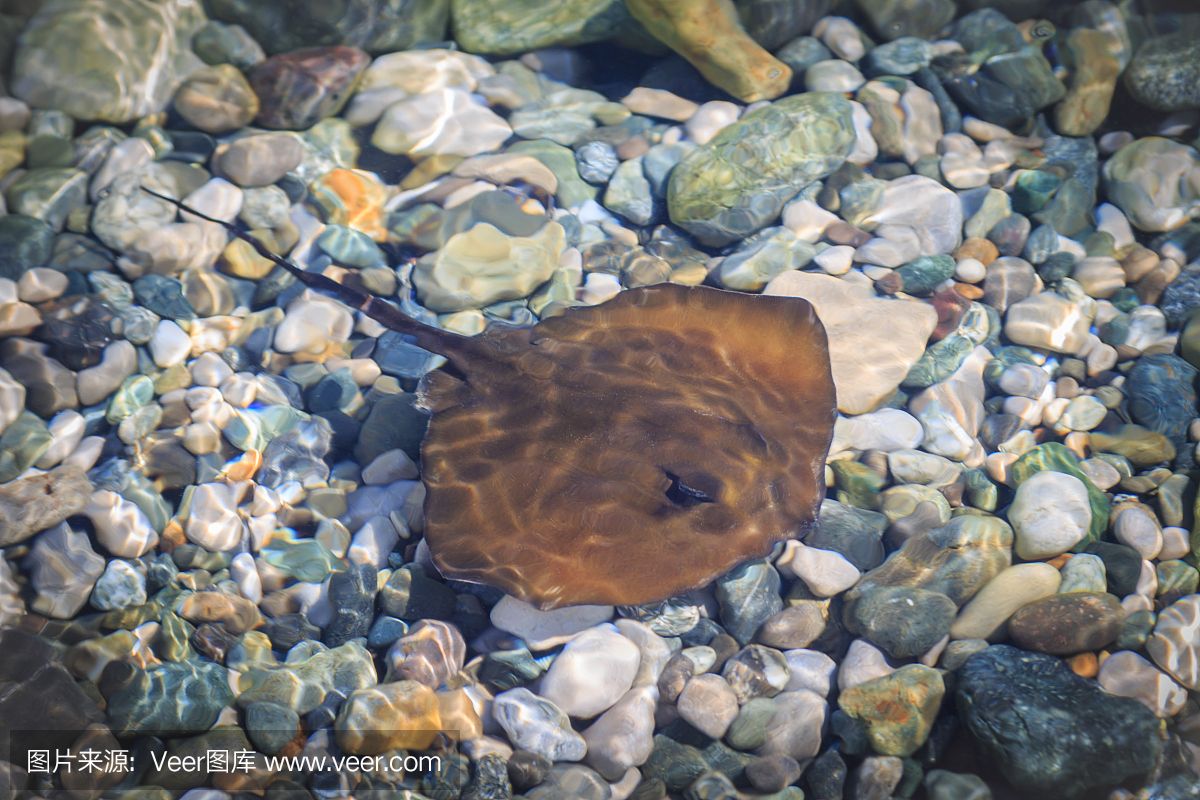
621,453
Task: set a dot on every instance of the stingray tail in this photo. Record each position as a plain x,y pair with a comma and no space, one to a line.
433,339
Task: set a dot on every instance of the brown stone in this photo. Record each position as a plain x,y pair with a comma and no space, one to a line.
982,250
237,614
1063,624
296,90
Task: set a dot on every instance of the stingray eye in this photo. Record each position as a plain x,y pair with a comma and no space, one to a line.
683,495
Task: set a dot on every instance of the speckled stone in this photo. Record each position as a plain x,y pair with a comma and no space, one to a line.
1067,623
298,89
723,191
1051,731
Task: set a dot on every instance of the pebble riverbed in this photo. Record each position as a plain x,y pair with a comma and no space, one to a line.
210,496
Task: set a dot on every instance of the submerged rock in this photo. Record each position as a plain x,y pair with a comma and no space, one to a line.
1051,731
110,60
738,182
38,502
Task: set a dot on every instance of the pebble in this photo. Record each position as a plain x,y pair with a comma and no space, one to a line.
793,626
886,430
121,586
542,630
863,662
213,522
623,736
443,122
708,704
390,716
311,324
833,75
591,673
825,572
1084,572
1014,705
1067,623
121,527
1136,527
1175,643
1049,322
537,725
943,785
170,345
796,728
259,159
1128,674
1050,514
299,89
873,341
216,99
1001,597
63,568
710,119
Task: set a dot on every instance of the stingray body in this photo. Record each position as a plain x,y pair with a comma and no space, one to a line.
621,453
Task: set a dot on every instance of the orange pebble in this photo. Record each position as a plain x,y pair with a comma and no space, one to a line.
1058,562
1085,665
969,291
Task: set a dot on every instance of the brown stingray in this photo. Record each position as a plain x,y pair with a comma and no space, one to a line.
622,453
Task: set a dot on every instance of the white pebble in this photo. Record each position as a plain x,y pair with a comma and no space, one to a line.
245,574
170,344
825,572
40,284
710,119
591,673
970,270
311,325
1050,514
66,432
807,220
835,260
389,467
598,287
1175,544
811,670
213,522
841,36
542,630
1136,527
863,662
210,370
239,389
121,527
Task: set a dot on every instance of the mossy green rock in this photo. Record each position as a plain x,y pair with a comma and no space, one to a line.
173,698
738,183
514,26
376,25
302,683
1057,458
939,361
25,243
303,559
111,60
48,194
760,258
23,442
